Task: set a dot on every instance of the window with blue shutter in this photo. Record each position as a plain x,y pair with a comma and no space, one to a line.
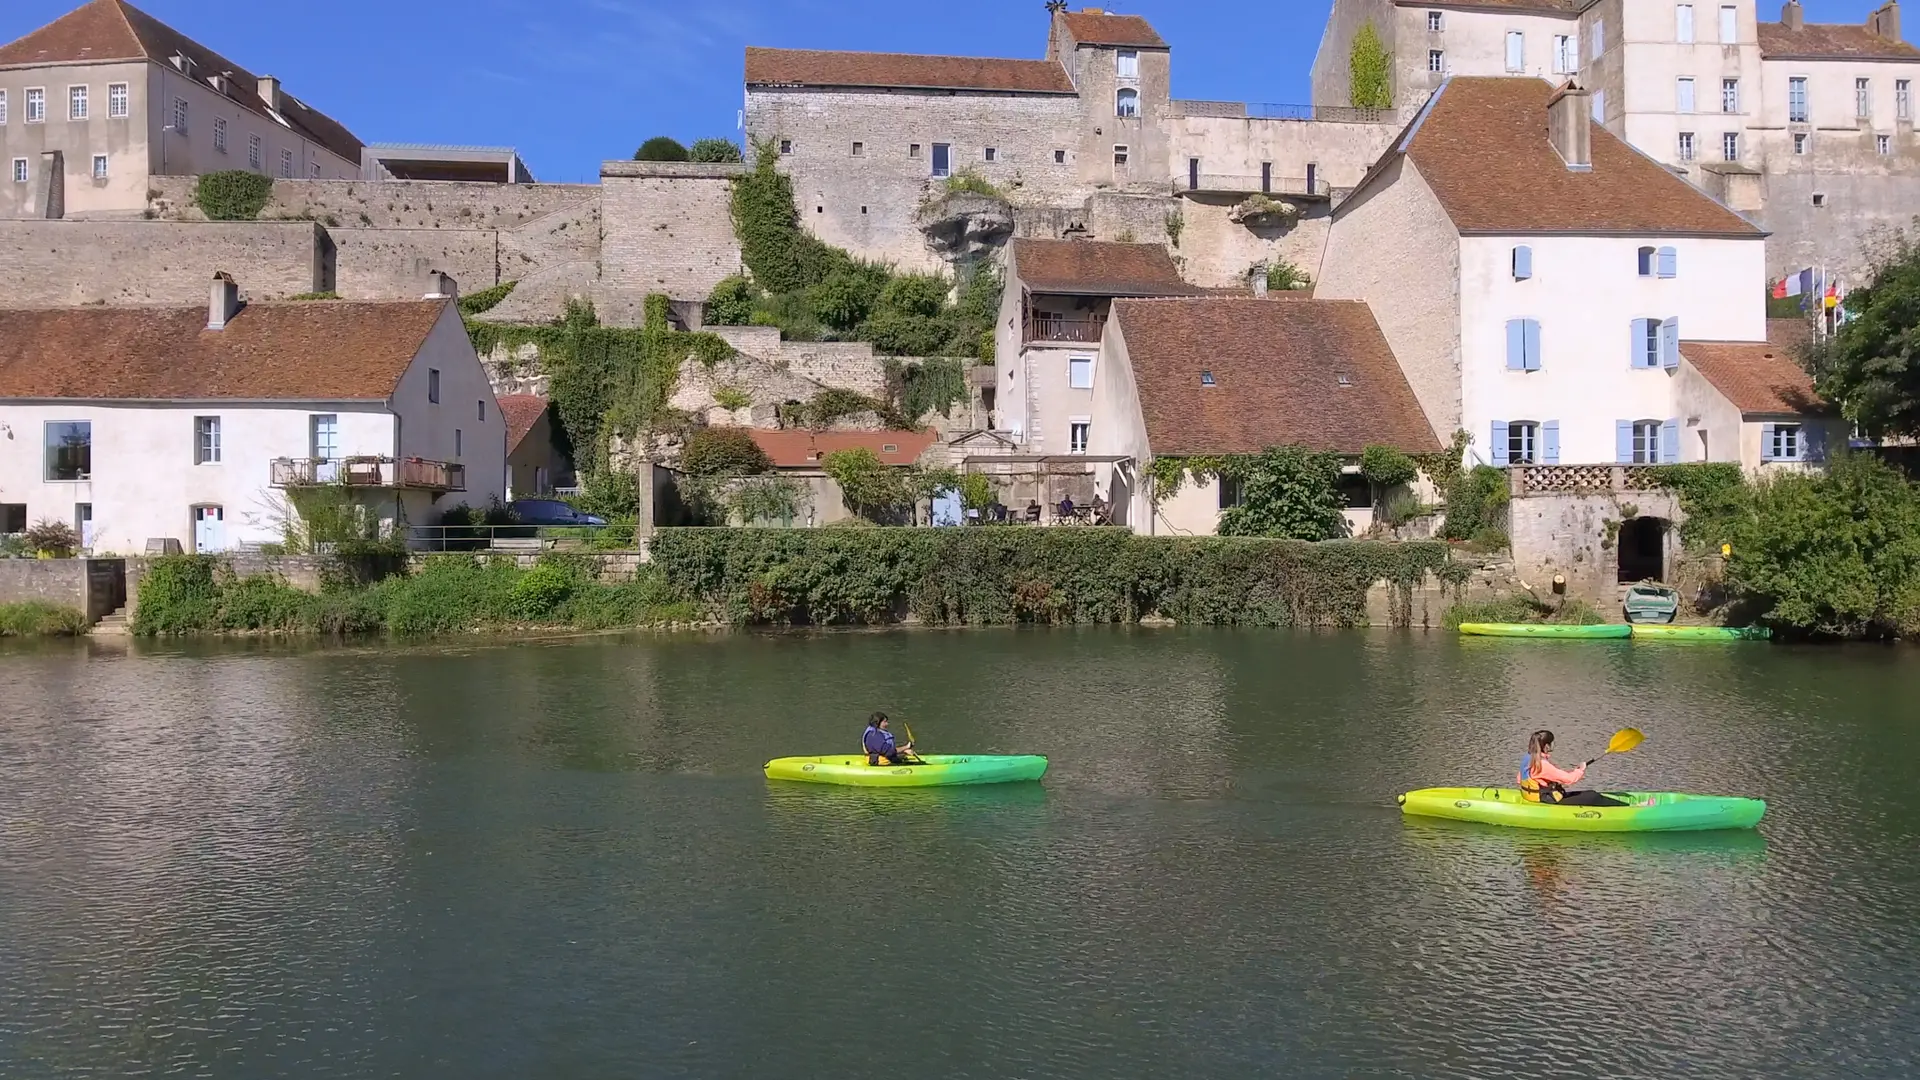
1646,343
1623,442
1669,262
1670,343
1670,442
1646,262
1813,442
1782,442
1516,345
1766,442
1497,445
1550,442
1533,344
1522,263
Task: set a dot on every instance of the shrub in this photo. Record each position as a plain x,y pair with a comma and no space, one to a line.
870,487
1386,468
915,294
970,182
976,491
177,596
724,452
232,195
610,496
264,603
1369,83
37,619
1284,276
766,499
660,148
731,302
848,295
1476,501
54,538
714,150
1287,493
539,592
731,397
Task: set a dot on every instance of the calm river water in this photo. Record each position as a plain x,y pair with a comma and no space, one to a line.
560,860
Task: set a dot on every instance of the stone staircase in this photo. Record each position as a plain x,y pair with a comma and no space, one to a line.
118,624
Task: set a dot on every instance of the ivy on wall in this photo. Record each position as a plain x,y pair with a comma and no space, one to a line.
233,195
1369,83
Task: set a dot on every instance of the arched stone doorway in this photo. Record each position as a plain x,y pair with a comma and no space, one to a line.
1643,549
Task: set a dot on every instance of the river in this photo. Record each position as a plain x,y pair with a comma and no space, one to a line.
560,860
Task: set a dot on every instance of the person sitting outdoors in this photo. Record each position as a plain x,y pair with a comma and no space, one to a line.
879,745
1033,511
1542,781
1064,512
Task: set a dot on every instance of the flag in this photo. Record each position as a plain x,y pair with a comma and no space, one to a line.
1780,289
1833,295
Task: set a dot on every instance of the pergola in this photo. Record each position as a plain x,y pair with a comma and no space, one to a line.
1043,478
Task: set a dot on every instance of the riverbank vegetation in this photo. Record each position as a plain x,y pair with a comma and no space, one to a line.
36,619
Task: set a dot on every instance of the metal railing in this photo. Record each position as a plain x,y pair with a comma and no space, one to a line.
1261,110
511,539
369,471
1261,183
1081,329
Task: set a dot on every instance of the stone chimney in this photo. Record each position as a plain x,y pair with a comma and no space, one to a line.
270,91
1793,16
1570,125
1886,21
441,286
223,302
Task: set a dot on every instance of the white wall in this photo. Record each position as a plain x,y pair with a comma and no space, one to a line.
1654,59
1120,430
1585,292
427,429
1830,93
1475,43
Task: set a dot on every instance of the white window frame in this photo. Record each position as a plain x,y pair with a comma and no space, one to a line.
3,108
1126,64
1730,145
1683,24
99,167
1800,140
1862,99
1797,111
1077,363
254,157
36,105
1599,106
992,153
1883,144
1527,434
1729,24
1599,38
933,161
79,102
1079,433
329,448
1646,442
1686,147
1126,102
1516,50
1436,21
1437,61
220,134
181,114
286,164
206,440
1684,98
1790,438
1730,95
119,101
313,169
21,172
1566,55
1902,100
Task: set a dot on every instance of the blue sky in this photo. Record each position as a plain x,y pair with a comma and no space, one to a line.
571,83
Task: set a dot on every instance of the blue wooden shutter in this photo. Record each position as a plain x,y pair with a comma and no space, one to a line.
1533,344
1550,442
1642,355
1813,440
1497,448
1670,343
1670,442
1623,441
1766,442
1669,262
1522,263
1516,345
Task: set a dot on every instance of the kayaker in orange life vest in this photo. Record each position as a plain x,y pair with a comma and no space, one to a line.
878,743
1543,781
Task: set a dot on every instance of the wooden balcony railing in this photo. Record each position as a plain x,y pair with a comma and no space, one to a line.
1080,329
416,474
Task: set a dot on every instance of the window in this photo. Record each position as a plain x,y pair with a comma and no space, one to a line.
36,106
19,170
1599,37
1729,25
1730,95
1884,144
786,146
117,101
180,115
1781,442
1902,101
3,107
859,149
1646,343
1523,441
83,524
1516,51
1566,58
942,159
1800,142
13,518
253,152
286,164
433,385
992,154
325,443
1599,106
1077,436
1863,99
1232,494
1126,102
1686,146
76,103
1797,99
1819,200
220,134
480,410
1683,24
1683,95
1436,21
1646,443
1119,157
1645,262
1436,60
913,150
458,440
1730,146
70,450
1523,345
1059,157
1207,379
99,166
206,440
1522,263
1080,372
1126,64
313,169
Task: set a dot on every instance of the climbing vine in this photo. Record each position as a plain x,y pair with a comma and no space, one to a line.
475,303
1369,85
232,195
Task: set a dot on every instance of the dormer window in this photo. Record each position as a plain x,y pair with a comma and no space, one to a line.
1342,379
1206,378
1126,64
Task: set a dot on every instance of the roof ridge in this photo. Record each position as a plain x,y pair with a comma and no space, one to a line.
909,55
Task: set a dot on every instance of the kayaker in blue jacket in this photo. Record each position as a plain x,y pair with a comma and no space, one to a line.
878,743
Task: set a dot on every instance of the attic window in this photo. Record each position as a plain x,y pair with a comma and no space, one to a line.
889,448
1341,378
1206,378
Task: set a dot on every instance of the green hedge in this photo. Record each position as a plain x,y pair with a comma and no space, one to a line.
36,619
1005,575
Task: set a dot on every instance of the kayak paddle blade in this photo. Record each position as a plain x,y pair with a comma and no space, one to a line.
1624,740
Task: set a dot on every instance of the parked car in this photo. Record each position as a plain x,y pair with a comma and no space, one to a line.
550,512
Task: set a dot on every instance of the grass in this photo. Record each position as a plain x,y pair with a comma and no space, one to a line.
1521,609
36,619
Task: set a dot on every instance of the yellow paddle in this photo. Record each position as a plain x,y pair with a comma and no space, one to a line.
1623,740
911,748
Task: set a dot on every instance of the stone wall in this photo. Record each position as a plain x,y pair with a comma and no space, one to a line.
1864,198
93,587
61,263
1575,533
391,204
668,229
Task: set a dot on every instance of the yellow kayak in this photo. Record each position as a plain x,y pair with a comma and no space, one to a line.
936,770
1647,811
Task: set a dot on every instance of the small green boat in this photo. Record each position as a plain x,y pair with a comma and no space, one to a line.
1601,632
1646,811
932,770
1651,603
1701,633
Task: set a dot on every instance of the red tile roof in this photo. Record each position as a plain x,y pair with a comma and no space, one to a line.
521,412
1756,376
1830,41
804,449
815,67
292,350
1482,146
103,30
1097,268
1102,28
1313,373
1545,7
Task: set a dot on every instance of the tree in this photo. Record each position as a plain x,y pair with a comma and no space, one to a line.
1386,468
1289,493
731,302
720,452
713,150
1283,276
1870,366
660,148
1369,83
870,487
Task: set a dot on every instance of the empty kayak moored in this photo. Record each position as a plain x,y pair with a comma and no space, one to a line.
1600,632
938,770
1700,633
1646,811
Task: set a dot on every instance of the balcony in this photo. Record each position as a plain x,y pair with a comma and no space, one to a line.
1259,110
1251,184
412,474
1525,480
1076,329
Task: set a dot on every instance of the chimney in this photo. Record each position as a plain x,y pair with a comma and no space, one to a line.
1258,279
270,91
1793,16
53,184
1570,125
224,301
441,286
1886,22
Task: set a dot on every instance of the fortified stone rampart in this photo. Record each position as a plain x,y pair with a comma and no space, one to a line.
58,263
668,229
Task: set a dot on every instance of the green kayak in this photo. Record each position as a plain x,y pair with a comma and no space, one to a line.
1547,630
1701,633
1646,811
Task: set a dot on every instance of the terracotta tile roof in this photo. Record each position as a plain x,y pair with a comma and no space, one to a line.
804,449
1098,268
1756,376
104,30
520,412
1482,146
282,351
1102,28
815,67
1545,7
1830,41
1277,371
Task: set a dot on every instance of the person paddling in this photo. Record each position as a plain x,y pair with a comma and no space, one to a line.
1543,781
879,745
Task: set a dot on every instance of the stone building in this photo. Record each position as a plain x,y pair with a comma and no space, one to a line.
98,102
1805,128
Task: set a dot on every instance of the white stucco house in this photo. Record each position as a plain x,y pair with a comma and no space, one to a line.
1536,277
193,423
1751,402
